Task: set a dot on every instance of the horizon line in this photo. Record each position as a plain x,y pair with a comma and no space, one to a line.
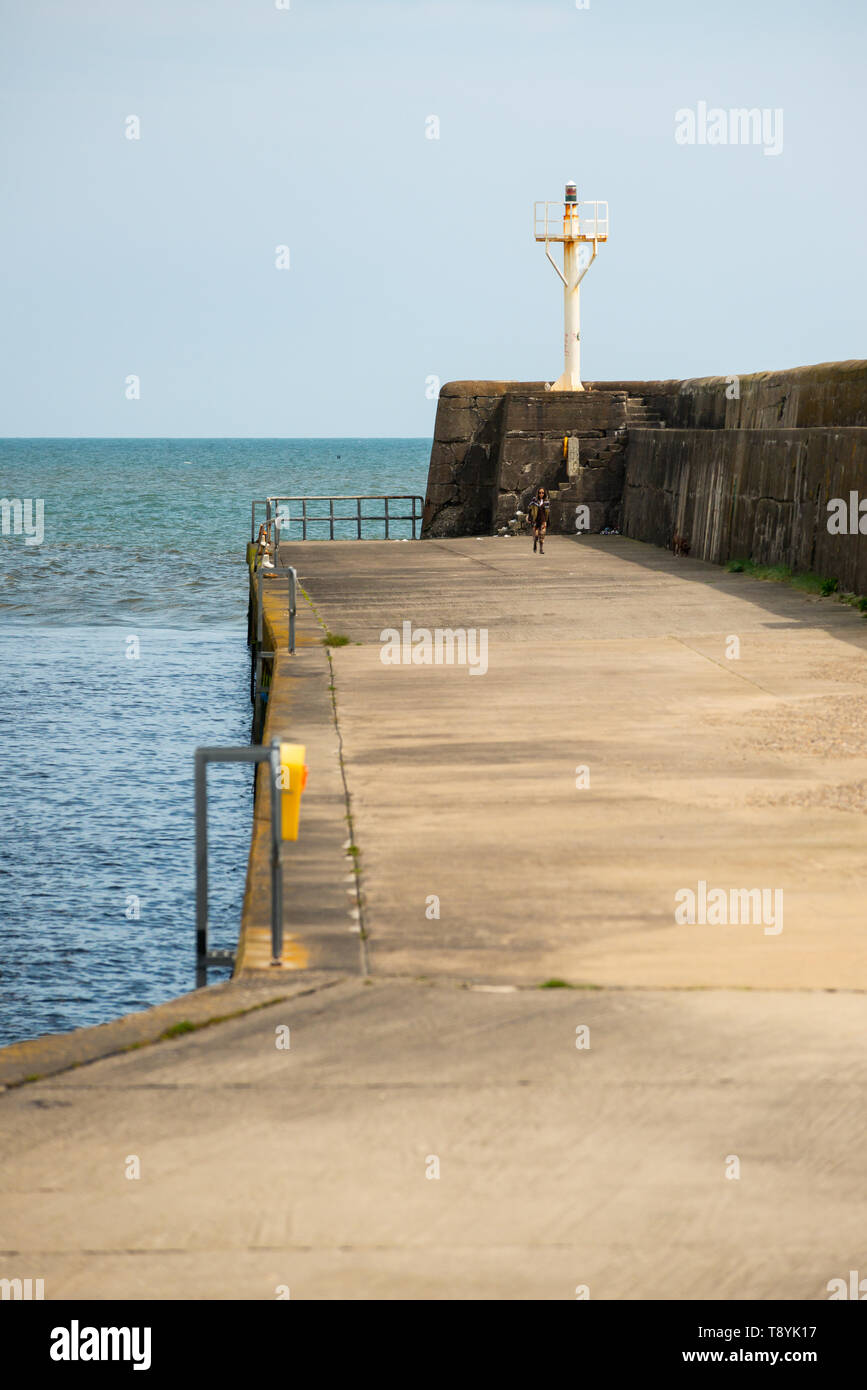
260,438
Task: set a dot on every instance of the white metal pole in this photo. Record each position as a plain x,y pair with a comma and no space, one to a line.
572,318
575,233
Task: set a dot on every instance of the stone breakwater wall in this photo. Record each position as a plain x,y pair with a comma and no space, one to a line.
735,467
832,393
496,442
750,494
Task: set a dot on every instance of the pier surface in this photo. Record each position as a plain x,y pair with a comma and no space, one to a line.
433,1130
609,655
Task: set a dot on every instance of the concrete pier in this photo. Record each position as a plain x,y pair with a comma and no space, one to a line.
441,1126
611,655
720,468
300,708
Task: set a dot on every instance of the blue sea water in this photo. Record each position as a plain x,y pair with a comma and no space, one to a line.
143,539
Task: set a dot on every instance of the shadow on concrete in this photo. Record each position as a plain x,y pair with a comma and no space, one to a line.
794,608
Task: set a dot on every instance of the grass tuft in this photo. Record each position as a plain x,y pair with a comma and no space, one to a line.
564,984
805,581
178,1028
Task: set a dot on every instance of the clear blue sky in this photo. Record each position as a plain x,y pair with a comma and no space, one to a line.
409,257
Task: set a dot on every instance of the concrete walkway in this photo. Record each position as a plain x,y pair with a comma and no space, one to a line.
443,1128
608,655
602,1166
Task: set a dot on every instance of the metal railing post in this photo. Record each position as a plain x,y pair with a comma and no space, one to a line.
203,756
415,516
200,779
276,861
292,605
293,587
257,502
260,694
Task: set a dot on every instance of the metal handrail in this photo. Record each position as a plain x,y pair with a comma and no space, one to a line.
292,574
415,516
204,756
259,684
583,224
257,502
256,635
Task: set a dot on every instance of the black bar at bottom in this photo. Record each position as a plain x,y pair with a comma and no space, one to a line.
628,1336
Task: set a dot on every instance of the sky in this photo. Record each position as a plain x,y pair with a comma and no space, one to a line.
142,292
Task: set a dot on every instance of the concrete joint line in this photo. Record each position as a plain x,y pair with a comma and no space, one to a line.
357,911
728,668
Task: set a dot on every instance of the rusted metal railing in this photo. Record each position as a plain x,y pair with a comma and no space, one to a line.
280,509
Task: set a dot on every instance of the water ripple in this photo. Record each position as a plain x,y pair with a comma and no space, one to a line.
144,538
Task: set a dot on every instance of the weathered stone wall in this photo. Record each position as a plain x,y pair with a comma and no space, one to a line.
462,478
496,442
831,393
758,494
742,468
750,475
532,434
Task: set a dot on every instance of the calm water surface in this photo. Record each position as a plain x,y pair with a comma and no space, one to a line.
142,539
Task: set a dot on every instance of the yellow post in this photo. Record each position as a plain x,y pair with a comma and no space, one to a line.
293,780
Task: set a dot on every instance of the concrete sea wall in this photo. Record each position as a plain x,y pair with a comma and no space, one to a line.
760,494
496,442
831,393
735,466
463,473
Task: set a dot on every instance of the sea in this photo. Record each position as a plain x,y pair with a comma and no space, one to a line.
122,648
